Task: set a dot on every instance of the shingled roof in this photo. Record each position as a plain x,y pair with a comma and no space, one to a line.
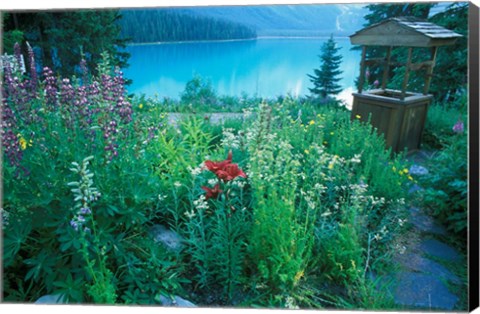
404,31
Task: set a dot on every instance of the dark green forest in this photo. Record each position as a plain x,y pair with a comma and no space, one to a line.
61,39
142,26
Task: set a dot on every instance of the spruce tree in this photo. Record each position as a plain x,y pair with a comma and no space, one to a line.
325,79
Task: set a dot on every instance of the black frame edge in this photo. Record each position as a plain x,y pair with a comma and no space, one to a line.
473,84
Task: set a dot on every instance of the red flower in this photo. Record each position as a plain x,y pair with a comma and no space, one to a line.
212,193
230,172
214,166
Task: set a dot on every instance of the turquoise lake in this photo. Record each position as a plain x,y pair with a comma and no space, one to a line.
266,67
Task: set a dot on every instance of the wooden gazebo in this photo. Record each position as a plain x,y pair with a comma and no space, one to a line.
398,114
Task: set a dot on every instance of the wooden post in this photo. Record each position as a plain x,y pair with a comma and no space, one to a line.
407,73
362,70
428,75
386,68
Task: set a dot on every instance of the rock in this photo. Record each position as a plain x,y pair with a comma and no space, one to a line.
418,170
422,291
175,301
51,299
167,237
425,223
415,188
417,263
438,249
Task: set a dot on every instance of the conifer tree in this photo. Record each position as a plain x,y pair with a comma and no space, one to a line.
325,79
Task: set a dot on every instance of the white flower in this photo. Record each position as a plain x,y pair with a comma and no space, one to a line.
190,214
177,184
290,303
200,203
356,158
195,171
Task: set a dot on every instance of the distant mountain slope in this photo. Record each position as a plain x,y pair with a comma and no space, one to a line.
315,19
162,25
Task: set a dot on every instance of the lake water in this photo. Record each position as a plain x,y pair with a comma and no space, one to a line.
266,67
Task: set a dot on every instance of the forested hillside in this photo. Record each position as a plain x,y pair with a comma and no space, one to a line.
155,25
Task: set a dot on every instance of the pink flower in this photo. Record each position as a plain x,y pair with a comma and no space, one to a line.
458,127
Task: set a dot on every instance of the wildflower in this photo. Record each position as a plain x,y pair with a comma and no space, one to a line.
458,127
405,170
358,116
190,214
312,122
367,74
140,106
177,184
230,172
201,203
23,143
410,177
376,83
215,166
356,158
306,151
212,193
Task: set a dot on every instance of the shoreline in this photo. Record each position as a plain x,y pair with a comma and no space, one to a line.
231,40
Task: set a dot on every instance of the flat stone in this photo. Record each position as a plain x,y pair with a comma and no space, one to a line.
438,249
167,237
415,188
417,263
51,299
175,301
422,291
425,223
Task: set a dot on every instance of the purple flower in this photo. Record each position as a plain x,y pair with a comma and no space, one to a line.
74,224
376,83
458,127
33,69
17,51
85,210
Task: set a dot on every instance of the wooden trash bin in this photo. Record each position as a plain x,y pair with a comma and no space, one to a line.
398,114
401,121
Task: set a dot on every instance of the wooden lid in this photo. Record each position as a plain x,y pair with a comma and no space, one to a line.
404,31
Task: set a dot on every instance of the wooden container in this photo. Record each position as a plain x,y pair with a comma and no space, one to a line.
399,115
401,121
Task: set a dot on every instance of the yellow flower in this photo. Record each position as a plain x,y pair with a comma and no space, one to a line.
394,169
311,122
358,116
307,151
410,177
22,142
140,106
325,142
405,170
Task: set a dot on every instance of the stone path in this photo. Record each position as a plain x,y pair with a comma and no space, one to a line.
422,282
